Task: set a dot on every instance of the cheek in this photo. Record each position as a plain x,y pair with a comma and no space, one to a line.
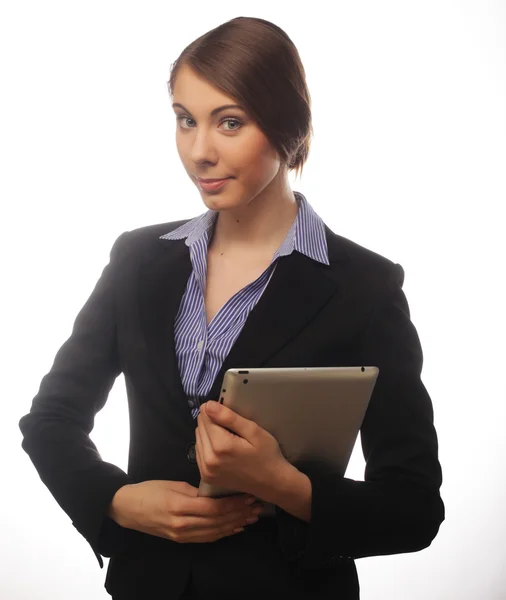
256,159
183,144
181,150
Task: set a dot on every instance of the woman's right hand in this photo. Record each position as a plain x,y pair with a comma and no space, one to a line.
172,509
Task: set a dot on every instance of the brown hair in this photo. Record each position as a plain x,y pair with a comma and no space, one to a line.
256,63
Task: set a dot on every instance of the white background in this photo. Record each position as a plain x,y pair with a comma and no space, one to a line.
408,159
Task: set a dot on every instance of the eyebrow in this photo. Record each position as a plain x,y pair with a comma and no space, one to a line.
215,110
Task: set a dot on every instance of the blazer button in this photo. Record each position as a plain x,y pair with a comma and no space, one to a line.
191,453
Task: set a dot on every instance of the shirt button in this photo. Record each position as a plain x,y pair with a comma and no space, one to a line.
200,345
191,453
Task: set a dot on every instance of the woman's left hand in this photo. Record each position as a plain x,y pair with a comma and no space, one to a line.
249,461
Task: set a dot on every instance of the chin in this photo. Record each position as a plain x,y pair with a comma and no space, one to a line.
214,203
221,201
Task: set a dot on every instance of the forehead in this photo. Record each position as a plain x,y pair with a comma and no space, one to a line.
192,88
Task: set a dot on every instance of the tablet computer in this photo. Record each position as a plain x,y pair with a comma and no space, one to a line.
313,412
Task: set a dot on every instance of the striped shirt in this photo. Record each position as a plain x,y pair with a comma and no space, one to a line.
201,348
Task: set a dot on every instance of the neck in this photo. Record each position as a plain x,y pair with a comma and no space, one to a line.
259,226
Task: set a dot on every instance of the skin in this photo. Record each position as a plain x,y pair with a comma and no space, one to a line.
257,207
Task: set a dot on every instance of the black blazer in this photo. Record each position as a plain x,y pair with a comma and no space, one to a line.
352,312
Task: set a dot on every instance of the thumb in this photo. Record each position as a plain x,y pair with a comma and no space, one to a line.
229,419
213,408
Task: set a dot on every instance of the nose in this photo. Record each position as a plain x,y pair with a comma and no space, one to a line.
203,150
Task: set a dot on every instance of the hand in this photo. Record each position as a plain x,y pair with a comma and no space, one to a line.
172,510
236,453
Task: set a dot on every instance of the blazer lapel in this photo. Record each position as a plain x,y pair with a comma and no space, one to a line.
163,280
299,288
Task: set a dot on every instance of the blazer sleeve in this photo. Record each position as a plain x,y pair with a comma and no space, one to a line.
397,508
56,430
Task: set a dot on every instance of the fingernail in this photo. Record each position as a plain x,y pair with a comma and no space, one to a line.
238,530
250,500
251,520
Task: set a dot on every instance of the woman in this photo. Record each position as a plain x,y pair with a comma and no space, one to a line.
258,280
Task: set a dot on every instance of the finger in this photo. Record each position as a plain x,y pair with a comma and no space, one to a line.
218,436
216,534
209,427
204,442
212,439
198,451
207,535
215,507
194,528
203,450
238,518
229,419
182,487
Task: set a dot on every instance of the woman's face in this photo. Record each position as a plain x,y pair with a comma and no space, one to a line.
226,143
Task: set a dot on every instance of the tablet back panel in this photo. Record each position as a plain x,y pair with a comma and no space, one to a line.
313,412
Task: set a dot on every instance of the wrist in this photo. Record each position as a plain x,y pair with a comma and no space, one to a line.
118,509
291,490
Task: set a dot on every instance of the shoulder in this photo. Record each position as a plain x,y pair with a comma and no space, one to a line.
145,237
148,233
362,264
143,244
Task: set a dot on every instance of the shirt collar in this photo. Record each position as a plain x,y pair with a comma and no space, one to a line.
306,235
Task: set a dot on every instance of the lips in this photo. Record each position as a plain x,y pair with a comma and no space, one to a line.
212,180
213,186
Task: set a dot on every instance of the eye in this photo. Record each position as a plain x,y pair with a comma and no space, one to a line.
182,118
232,121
